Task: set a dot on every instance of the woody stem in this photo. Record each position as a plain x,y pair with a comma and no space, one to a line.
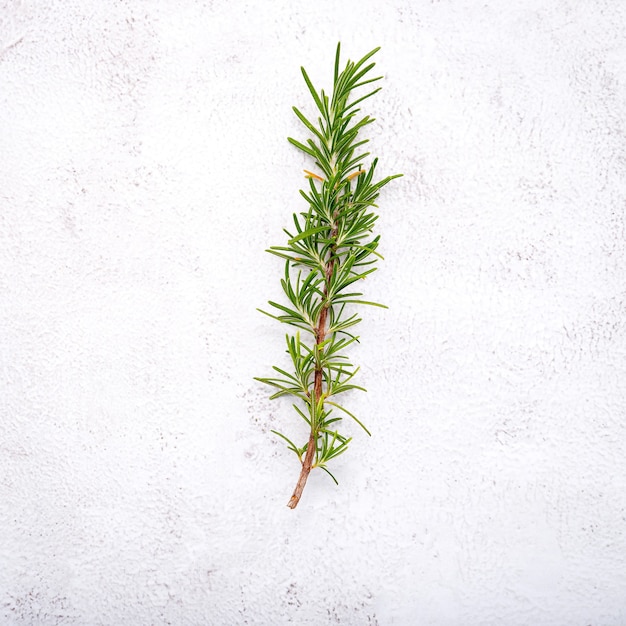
320,335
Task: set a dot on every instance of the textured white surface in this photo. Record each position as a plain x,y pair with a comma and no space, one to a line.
144,169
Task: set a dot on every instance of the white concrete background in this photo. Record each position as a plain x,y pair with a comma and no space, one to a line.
144,170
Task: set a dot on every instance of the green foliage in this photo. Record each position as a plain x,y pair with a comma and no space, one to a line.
328,251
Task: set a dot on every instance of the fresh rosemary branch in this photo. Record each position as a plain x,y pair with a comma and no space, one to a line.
330,250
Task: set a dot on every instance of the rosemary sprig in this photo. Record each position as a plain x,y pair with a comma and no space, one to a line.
330,248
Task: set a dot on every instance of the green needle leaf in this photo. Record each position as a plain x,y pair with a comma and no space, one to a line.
354,417
307,233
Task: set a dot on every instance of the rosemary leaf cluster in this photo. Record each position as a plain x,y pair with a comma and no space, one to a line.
329,250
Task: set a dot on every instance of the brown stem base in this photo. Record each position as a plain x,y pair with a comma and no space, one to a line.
320,334
304,474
